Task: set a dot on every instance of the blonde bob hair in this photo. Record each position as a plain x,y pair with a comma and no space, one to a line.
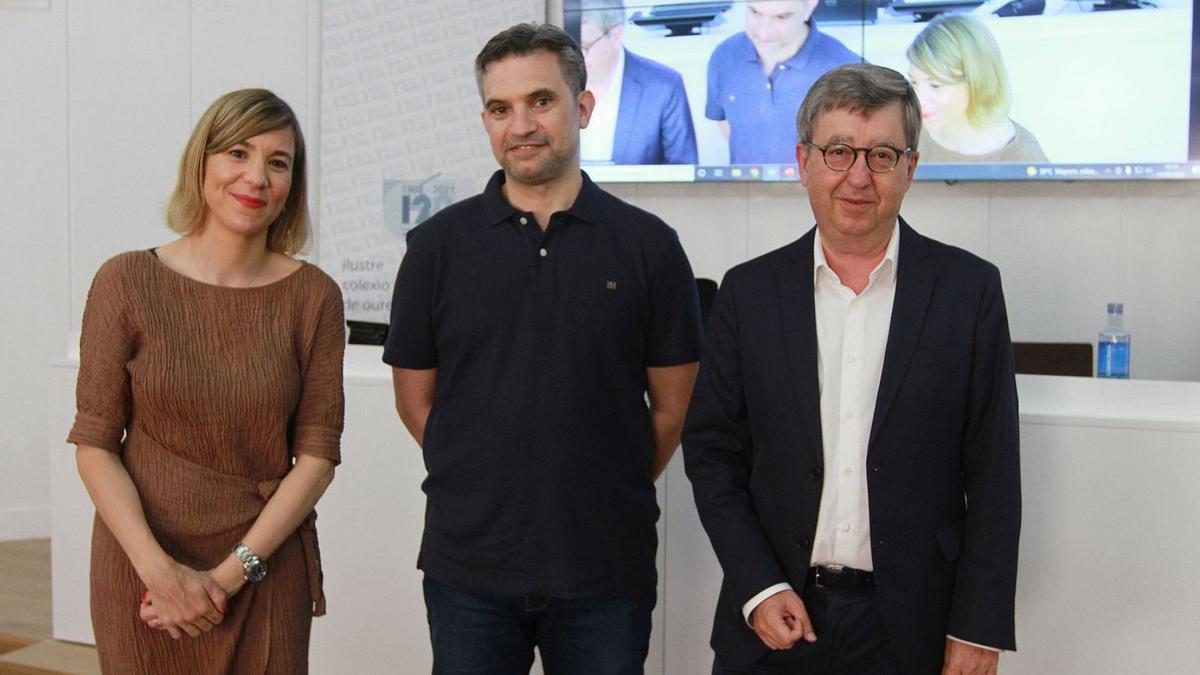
956,48
230,120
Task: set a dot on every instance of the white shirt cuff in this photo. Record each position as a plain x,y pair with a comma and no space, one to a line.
758,599
974,644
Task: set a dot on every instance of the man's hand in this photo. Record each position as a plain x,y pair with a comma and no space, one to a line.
965,659
781,620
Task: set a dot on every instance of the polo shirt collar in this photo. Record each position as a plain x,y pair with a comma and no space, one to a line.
797,60
586,209
495,207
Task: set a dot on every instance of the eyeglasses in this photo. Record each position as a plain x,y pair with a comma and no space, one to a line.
880,159
585,48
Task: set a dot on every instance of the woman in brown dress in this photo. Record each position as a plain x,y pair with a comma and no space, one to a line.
210,412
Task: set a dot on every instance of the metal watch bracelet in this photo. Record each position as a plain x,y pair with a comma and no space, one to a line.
254,567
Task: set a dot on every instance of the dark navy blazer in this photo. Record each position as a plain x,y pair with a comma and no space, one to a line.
654,123
942,460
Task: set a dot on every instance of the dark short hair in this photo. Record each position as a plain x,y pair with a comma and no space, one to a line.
524,39
860,88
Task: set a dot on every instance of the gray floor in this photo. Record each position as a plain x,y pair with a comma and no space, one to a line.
25,588
25,616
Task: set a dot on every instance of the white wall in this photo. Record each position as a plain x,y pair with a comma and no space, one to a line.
34,289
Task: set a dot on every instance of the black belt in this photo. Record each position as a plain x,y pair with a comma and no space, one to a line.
840,578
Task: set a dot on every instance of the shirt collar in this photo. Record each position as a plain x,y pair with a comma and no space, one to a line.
795,61
496,209
888,264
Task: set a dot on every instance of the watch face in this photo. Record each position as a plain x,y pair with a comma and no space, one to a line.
256,573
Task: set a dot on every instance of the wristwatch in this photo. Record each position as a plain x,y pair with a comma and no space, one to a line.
256,569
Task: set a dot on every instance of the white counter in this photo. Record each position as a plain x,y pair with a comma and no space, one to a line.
1106,548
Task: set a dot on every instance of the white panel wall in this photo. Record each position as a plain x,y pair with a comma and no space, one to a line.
128,119
33,222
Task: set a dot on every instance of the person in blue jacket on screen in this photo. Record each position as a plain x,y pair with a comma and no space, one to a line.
641,114
758,78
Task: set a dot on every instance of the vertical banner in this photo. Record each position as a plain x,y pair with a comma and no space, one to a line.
401,136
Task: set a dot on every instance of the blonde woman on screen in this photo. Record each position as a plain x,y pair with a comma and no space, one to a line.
959,75
210,413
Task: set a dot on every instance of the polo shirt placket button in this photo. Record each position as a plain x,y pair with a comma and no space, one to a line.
543,253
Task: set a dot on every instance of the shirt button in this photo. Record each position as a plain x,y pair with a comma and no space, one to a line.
845,527
850,359
543,253
854,308
848,471
524,220
768,85
849,414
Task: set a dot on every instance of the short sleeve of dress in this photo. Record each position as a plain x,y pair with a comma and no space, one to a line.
107,343
320,415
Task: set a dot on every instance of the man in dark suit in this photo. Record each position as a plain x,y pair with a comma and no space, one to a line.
852,441
641,114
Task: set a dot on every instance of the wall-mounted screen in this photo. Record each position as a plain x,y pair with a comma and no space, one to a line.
1009,89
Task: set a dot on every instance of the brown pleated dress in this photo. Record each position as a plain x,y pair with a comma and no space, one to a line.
208,393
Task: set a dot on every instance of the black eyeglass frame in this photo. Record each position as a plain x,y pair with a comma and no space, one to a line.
866,154
585,49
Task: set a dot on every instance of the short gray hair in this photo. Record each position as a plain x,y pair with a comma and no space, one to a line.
524,39
860,88
605,14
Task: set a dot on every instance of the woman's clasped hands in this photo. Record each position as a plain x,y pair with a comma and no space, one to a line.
181,600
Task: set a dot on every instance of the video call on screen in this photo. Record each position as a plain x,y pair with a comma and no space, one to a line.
1009,89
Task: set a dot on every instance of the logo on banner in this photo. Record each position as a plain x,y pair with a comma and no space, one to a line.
408,203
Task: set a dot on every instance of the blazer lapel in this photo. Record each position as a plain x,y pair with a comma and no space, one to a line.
914,287
797,313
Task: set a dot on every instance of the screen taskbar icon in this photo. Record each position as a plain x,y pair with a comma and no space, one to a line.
747,172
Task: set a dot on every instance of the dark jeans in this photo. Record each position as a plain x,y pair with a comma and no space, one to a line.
479,633
851,640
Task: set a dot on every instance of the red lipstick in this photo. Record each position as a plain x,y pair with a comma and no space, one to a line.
250,202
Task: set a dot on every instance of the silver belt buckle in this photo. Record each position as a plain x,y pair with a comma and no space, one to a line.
832,568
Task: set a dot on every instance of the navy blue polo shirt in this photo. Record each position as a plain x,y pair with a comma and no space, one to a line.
539,444
761,109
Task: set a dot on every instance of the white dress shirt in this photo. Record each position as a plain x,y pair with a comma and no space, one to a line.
596,141
852,332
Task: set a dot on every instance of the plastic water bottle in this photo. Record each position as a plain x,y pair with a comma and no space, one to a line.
1112,353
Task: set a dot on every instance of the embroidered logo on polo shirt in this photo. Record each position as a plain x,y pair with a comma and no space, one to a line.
610,285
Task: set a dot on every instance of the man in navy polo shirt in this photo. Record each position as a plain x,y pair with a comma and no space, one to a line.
529,323
757,79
